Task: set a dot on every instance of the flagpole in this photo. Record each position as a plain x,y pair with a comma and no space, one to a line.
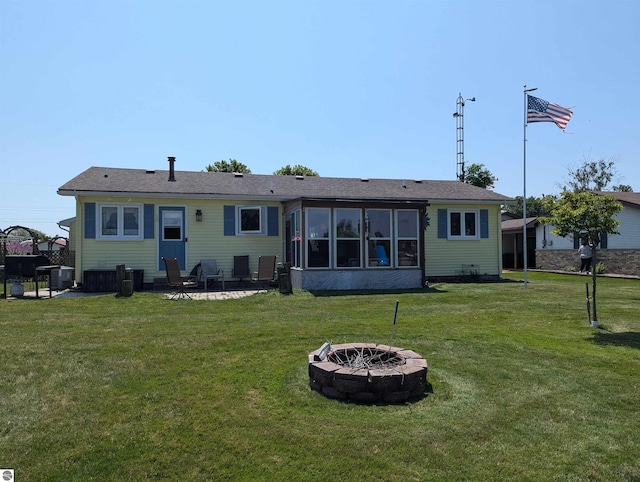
524,189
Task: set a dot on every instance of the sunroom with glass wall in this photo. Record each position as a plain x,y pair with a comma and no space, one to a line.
354,245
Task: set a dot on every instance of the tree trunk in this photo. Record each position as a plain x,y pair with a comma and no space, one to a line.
593,277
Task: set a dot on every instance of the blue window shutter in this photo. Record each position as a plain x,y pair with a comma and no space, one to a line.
484,223
229,220
442,223
603,241
148,221
90,220
576,241
272,221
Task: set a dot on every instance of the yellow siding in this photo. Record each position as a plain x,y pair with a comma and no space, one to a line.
205,240
448,258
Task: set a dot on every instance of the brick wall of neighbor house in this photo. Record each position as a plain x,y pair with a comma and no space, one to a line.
617,261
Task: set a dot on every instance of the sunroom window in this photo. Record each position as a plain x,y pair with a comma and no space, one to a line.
318,223
296,239
379,237
347,229
407,237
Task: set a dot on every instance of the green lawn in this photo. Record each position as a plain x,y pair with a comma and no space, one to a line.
141,388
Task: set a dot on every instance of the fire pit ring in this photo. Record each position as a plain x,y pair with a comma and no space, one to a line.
367,373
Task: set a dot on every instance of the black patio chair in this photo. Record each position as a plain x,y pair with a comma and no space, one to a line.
241,268
266,270
176,281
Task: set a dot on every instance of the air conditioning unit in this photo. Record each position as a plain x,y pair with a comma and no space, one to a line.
62,278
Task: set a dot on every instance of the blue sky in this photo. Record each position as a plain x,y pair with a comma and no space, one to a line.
347,88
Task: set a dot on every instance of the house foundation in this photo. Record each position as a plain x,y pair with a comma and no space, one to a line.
368,279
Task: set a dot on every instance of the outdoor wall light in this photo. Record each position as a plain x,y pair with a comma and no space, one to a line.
198,215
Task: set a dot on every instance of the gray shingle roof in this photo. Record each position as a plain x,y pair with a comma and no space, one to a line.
219,185
517,224
629,198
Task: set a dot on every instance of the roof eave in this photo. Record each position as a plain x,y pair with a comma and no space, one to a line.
166,195
497,202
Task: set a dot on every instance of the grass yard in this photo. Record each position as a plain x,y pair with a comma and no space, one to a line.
142,388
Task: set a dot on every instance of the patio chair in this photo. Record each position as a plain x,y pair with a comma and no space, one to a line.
266,269
381,253
209,271
175,279
241,268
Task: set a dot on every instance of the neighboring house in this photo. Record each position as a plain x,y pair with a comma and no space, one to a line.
512,241
619,253
57,244
336,233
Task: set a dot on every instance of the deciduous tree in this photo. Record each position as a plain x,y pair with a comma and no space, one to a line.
589,216
297,170
479,175
622,188
228,166
591,176
536,206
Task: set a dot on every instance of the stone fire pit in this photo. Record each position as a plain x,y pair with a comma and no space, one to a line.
367,373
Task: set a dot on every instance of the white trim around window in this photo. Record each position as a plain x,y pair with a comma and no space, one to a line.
120,222
463,224
407,224
251,220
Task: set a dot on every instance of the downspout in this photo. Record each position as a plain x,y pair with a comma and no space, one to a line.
79,235
499,236
422,247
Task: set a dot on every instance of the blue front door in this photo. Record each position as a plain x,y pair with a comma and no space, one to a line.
173,240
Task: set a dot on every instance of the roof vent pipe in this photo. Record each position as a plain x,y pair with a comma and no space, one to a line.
172,172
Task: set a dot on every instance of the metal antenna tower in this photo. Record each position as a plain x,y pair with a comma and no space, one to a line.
459,115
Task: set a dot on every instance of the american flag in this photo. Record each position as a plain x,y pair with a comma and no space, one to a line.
539,110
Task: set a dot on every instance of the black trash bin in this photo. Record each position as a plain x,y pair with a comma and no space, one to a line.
284,279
